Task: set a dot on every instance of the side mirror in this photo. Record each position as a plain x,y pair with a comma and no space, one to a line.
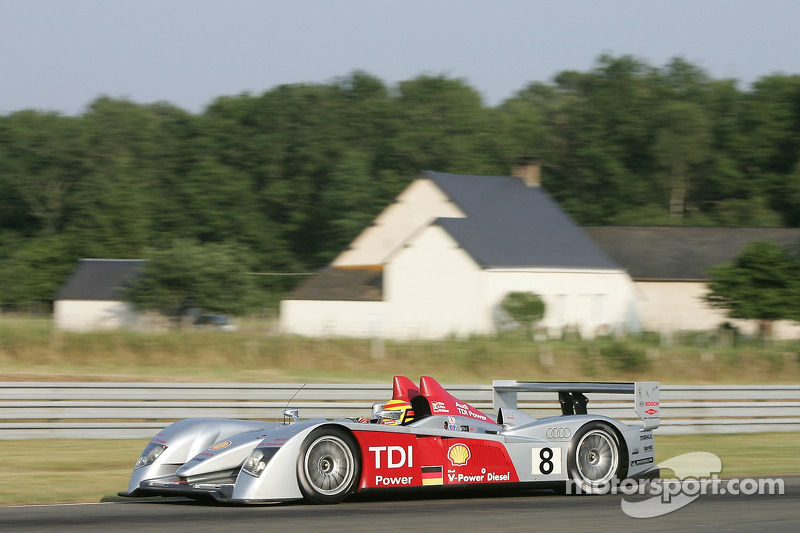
294,414
376,408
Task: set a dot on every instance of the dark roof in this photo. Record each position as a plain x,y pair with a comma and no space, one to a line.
342,283
681,253
99,279
510,224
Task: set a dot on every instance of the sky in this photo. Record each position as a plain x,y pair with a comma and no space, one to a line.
60,55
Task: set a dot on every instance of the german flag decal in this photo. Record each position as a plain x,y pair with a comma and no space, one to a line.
432,475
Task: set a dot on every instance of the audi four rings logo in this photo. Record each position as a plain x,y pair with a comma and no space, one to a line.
558,433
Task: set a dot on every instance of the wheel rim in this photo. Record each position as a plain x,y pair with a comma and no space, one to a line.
329,465
597,457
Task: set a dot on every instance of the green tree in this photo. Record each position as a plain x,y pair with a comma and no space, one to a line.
599,138
33,270
40,161
440,123
682,145
348,203
291,175
214,277
762,284
525,308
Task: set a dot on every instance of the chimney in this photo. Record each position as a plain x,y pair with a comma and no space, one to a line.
529,170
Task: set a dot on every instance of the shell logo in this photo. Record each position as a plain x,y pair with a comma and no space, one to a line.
458,454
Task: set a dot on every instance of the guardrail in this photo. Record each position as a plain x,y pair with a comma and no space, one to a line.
37,410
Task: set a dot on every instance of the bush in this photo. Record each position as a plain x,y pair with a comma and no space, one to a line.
625,358
525,308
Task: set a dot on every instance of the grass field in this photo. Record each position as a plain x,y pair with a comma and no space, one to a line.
44,471
60,471
30,350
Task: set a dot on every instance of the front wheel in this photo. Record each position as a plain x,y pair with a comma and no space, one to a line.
329,465
595,458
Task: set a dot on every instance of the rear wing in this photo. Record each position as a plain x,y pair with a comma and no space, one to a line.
573,400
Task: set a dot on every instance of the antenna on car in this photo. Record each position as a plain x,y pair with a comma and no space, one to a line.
294,414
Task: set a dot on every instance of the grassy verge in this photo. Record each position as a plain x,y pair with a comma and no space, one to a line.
59,471
742,455
30,350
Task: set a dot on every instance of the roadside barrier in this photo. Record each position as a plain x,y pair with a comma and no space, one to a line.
105,410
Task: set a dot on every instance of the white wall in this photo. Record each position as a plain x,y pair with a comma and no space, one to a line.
678,306
329,318
417,206
459,300
594,301
87,315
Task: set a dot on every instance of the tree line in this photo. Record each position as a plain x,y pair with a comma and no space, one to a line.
284,180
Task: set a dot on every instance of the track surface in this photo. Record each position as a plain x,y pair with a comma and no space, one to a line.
462,511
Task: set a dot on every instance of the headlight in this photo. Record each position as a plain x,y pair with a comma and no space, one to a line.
257,461
150,454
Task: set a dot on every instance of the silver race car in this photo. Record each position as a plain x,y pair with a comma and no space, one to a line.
423,437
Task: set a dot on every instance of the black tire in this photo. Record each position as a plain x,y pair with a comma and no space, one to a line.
595,458
329,465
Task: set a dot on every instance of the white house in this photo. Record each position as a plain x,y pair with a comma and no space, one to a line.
91,298
439,260
669,266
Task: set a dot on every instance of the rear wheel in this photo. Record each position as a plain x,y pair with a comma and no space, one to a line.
595,458
329,465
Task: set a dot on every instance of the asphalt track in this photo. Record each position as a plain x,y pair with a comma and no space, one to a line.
462,511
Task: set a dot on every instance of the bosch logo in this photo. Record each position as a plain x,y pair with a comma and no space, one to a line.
557,433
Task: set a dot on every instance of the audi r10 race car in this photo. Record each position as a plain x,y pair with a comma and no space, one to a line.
436,440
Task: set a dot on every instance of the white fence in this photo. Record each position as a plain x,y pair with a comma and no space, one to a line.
37,410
